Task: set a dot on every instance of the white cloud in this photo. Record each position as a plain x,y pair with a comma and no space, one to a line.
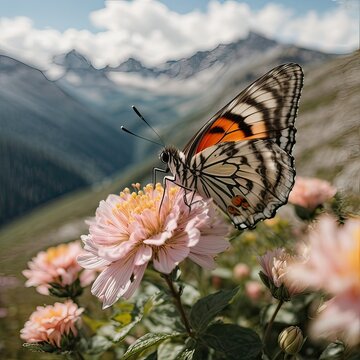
148,30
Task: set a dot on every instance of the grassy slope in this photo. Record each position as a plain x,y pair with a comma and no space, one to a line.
24,237
328,124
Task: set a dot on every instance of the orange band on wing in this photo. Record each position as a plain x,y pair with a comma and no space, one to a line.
225,130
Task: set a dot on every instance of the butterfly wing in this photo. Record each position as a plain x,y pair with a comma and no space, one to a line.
265,110
242,156
248,180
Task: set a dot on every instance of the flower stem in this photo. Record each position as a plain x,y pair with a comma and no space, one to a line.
75,355
269,327
75,300
177,300
277,354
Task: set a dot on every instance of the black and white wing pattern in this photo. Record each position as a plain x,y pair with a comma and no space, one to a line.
248,180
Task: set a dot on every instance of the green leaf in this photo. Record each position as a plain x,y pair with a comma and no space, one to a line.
164,319
147,341
152,356
125,313
304,213
186,355
354,356
208,307
114,333
36,347
93,324
264,278
98,344
127,316
154,301
334,351
196,351
69,291
169,350
233,341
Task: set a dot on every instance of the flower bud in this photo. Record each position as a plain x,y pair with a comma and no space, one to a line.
291,340
253,290
274,274
241,271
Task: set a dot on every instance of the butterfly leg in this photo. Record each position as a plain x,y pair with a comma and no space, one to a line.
186,192
192,202
185,199
173,180
156,170
169,178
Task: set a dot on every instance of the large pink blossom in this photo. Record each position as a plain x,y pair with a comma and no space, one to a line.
50,323
333,266
132,229
57,265
311,192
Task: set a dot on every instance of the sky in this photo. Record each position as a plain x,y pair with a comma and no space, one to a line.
158,30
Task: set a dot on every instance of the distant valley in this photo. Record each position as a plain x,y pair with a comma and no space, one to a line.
50,143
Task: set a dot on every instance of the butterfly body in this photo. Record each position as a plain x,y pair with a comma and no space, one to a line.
242,157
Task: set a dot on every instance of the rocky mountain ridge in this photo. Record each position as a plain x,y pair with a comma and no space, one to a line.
242,51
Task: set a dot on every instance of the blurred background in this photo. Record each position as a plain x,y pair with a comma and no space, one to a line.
70,71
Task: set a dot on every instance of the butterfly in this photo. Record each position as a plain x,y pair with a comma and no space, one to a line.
242,157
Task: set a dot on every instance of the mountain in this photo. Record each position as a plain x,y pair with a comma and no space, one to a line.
73,60
176,89
50,143
132,65
224,55
80,69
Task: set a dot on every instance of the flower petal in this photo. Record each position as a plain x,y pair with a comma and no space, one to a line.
90,261
137,277
110,284
143,255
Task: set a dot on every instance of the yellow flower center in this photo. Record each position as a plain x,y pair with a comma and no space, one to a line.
56,252
47,314
136,202
53,313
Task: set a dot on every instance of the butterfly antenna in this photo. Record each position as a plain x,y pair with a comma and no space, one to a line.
143,119
140,137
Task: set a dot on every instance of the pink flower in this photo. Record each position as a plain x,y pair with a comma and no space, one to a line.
338,318
50,323
333,266
57,264
3,312
241,271
275,265
254,290
132,229
311,192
